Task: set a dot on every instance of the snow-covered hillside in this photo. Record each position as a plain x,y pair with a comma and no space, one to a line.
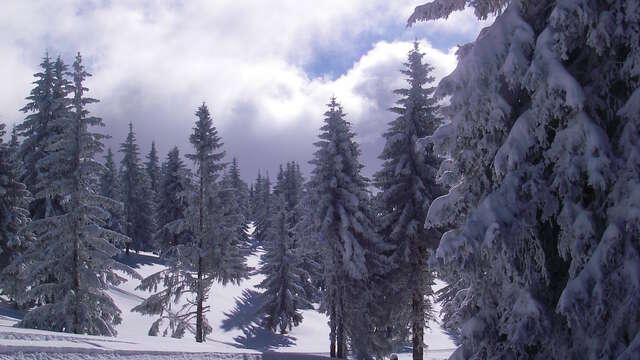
234,335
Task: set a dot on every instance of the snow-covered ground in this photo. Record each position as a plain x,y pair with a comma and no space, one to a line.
234,335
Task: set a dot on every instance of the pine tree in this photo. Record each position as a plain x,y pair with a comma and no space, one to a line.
15,236
172,201
407,183
110,188
213,255
285,278
73,247
136,195
542,256
351,243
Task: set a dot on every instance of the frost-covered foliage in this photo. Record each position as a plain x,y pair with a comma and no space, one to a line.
47,102
109,186
15,236
439,9
136,196
235,187
407,183
542,259
240,187
172,201
261,207
345,226
152,166
282,264
212,254
71,263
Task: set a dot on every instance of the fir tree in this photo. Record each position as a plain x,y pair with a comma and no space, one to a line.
408,185
284,294
213,254
542,258
172,201
152,166
110,188
351,244
232,183
47,101
263,208
73,246
285,278
15,236
136,195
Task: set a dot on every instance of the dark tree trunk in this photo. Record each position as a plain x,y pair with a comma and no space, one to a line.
417,307
332,333
199,307
340,327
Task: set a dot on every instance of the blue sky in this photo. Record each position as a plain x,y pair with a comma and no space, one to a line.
266,69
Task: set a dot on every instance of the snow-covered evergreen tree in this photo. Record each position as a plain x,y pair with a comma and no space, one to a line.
285,278
47,101
351,243
214,252
110,188
152,166
172,201
241,188
542,260
73,248
15,236
237,188
407,183
262,208
136,196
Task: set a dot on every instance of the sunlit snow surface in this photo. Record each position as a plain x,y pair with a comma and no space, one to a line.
233,336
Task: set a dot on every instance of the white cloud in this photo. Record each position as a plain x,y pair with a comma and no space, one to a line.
154,62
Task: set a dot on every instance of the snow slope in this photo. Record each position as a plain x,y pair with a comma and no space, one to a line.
234,334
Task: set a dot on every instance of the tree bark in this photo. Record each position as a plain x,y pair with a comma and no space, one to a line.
200,290
332,333
340,327
417,307
199,307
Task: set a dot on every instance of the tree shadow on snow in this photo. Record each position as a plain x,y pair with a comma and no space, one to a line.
9,310
244,316
135,261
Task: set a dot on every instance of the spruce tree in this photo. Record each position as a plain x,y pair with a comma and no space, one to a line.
47,101
407,184
172,201
285,278
542,257
73,247
152,166
136,196
351,243
213,254
238,189
263,208
15,236
110,187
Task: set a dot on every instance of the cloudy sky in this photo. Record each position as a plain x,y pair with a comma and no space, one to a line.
265,68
